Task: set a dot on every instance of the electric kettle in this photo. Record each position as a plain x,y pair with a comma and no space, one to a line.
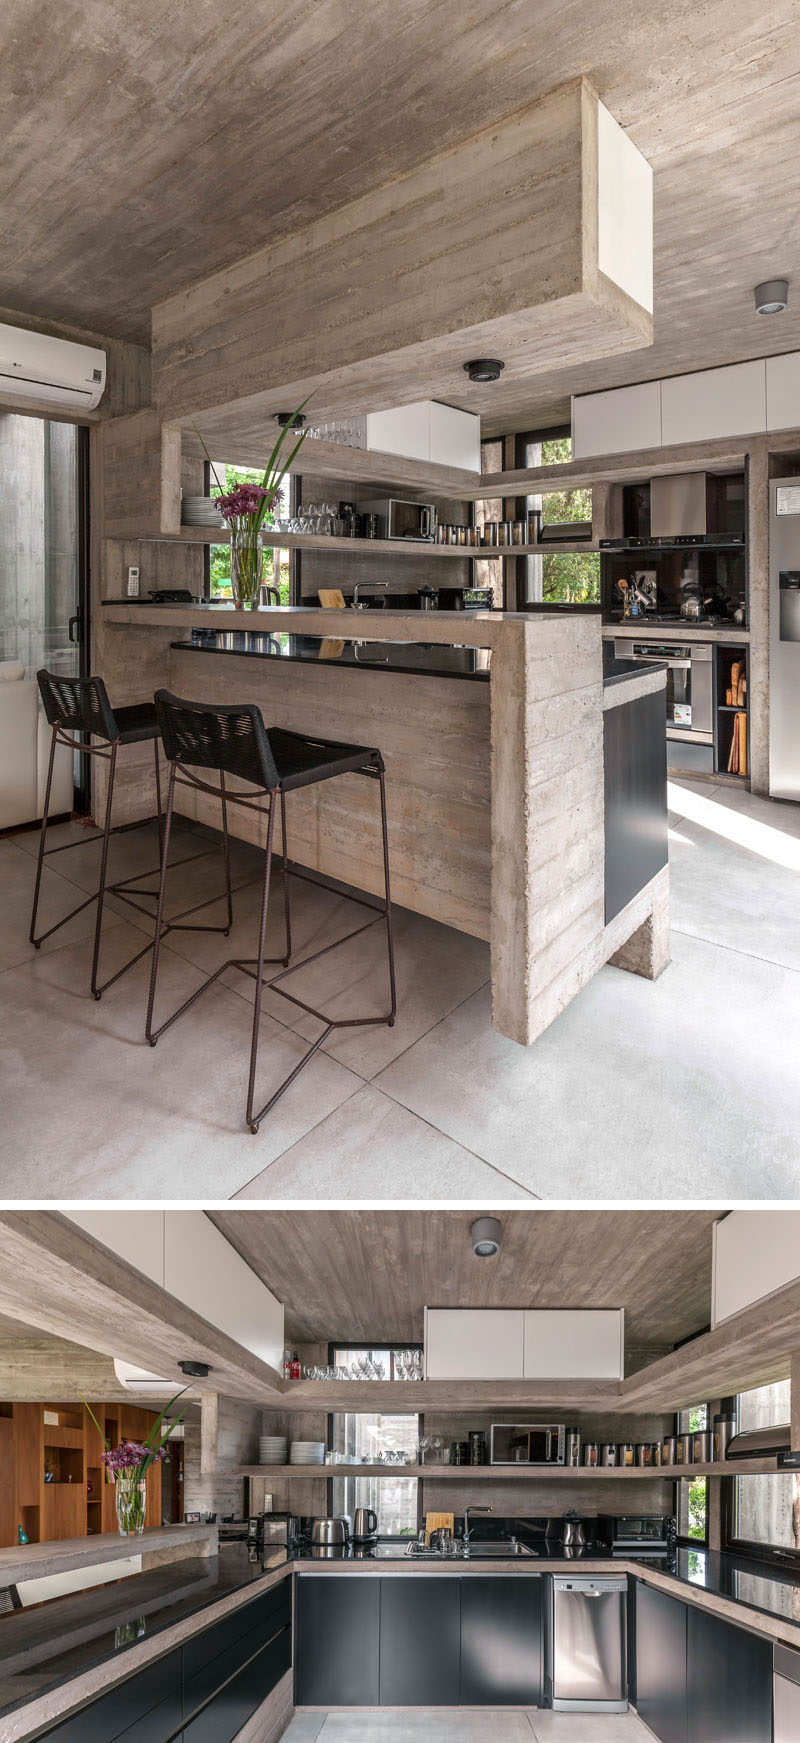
365,1524
573,1535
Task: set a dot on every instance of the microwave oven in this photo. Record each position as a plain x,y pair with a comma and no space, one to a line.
402,520
527,1443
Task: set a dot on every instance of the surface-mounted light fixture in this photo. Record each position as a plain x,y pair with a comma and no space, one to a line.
771,296
195,1370
484,368
486,1232
296,419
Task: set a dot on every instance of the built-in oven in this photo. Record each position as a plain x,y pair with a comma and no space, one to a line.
690,678
527,1443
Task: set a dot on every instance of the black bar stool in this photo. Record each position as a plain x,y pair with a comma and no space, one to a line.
232,739
80,706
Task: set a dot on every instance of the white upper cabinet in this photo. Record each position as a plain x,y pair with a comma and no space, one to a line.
616,422
524,1343
783,391
755,1252
427,430
714,402
573,1344
464,1343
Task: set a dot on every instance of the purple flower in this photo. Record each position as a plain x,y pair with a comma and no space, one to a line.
246,499
128,1456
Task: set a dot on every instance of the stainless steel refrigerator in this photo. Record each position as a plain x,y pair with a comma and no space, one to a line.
784,638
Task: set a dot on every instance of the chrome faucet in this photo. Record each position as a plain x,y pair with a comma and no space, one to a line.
467,1532
359,587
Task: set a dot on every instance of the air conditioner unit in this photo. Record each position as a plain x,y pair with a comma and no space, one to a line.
147,1385
56,371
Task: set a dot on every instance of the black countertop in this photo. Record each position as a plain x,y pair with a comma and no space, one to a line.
435,660
50,1644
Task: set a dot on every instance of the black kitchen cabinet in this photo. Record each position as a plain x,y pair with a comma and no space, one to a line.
729,1682
420,1641
501,1641
145,1707
338,1640
223,1717
661,1663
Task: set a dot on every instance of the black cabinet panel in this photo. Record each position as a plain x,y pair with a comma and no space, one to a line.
729,1682
635,775
337,1623
224,1664
276,1603
661,1663
225,1715
152,1691
501,1641
420,1641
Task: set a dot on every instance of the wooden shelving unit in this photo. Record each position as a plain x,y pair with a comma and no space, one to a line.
512,1473
67,1449
364,547
727,655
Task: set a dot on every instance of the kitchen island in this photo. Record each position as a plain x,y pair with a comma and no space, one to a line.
500,786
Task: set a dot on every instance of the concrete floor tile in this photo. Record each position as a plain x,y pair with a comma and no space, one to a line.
58,896
427,1725
681,790
551,1727
369,1148
304,1728
735,896
91,1111
682,1087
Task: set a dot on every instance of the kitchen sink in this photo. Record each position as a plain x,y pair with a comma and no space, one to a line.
502,1548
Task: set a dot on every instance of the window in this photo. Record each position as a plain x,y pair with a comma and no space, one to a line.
563,578
277,563
762,1514
362,1436
692,1492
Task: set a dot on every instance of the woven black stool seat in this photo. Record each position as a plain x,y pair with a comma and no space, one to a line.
231,738
81,706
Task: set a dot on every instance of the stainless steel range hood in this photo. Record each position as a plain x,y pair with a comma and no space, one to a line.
678,506
760,1443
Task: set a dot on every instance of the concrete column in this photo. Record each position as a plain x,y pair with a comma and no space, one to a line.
209,1430
22,524
758,526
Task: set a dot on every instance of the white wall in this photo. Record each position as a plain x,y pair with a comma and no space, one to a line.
184,1253
624,211
755,1252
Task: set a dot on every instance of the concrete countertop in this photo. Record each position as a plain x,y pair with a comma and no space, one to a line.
677,631
37,1561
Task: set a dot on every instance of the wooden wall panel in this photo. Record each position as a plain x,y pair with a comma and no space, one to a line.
8,1499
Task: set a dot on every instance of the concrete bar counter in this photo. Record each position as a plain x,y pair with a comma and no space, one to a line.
498,791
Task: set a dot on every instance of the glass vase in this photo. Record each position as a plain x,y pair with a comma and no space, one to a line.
130,1494
247,569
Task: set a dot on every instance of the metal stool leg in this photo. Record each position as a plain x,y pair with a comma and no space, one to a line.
159,811
152,1038
389,933
36,942
97,991
226,848
262,938
287,913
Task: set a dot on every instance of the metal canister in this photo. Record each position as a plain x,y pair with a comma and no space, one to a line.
625,1453
518,533
703,1447
591,1453
505,532
669,1449
490,532
608,1452
683,1449
572,1447
724,1428
644,1452
534,525
477,1447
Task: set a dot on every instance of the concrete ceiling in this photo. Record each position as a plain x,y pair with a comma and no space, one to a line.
353,1274
144,147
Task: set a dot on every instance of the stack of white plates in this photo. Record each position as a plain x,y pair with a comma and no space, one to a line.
307,1452
200,511
272,1449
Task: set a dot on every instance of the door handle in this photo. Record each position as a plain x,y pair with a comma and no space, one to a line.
72,621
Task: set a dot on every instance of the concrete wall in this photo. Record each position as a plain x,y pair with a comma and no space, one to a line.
237,1444
38,541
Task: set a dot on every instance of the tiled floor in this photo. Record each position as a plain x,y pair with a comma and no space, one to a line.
687,1087
437,1725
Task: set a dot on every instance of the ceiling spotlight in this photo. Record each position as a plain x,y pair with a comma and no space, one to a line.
486,1232
771,296
484,369
195,1370
296,419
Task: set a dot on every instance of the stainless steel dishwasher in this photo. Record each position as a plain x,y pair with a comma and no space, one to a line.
786,1694
588,1638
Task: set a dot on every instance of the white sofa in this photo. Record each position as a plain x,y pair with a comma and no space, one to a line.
24,752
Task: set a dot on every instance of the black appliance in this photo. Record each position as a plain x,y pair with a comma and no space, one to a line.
637,1533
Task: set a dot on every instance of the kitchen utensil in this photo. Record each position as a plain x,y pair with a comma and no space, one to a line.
440,1538
428,598
573,1534
365,1524
439,1522
330,1531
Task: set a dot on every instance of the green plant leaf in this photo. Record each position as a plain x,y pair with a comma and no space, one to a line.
106,1443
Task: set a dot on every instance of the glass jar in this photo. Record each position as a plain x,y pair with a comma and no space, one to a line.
130,1495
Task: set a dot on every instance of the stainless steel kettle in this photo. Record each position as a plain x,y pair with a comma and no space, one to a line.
365,1524
330,1531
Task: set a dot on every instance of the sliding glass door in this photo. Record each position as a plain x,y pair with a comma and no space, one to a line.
43,546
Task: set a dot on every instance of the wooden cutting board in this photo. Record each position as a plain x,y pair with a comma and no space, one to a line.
438,1522
331,596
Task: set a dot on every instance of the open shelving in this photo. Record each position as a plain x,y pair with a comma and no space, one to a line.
514,1473
366,547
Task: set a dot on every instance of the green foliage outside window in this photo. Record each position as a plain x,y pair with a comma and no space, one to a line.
220,556
697,1525
572,579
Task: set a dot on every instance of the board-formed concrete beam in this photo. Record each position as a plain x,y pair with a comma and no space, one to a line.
531,242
